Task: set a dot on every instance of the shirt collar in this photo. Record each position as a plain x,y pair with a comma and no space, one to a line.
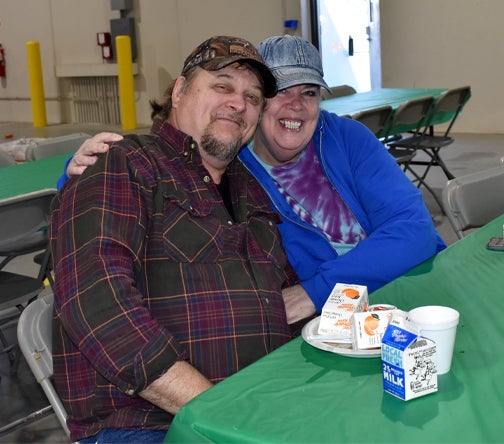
289,165
176,138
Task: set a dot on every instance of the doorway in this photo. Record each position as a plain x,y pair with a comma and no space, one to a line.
348,37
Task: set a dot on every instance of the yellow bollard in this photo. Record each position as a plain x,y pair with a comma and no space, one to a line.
126,84
36,84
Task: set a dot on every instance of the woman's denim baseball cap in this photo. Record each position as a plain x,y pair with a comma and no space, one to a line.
293,61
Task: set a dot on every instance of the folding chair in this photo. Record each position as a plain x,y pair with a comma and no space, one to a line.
23,223
376,119
448,105
23,229
34,333
56,145
6,159
337,91
410,117
473,200
16,291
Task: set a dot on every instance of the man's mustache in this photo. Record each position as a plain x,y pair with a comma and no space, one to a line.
233,117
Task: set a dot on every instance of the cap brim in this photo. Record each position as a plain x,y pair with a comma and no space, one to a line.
269,80
288,76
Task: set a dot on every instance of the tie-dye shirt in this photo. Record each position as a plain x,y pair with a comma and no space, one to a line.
310,194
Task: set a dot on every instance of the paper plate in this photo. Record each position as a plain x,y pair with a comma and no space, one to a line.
344,348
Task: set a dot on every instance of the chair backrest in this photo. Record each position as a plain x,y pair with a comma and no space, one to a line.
22,216
56,145
6,159
376,119
473,200
411,116
34,333
450,103
337,91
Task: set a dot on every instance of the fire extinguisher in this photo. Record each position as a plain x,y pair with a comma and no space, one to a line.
2,61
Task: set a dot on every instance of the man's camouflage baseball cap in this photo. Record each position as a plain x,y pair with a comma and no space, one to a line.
220,51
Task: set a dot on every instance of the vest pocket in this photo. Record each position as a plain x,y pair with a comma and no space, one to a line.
190,232
264,239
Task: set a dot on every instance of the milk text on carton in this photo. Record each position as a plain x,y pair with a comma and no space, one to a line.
408,361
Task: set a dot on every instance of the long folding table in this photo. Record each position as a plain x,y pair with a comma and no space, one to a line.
31,176
394,97
300,394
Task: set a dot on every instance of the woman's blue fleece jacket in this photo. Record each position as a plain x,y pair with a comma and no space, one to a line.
388,206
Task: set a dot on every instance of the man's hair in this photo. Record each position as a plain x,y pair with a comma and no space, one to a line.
162,110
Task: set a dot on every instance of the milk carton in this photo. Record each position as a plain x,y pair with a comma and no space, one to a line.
408,360
343,302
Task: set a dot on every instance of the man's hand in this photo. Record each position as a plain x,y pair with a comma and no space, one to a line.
86,154
298,304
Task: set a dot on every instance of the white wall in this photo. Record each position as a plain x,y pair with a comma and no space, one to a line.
167,30
447,43
426,43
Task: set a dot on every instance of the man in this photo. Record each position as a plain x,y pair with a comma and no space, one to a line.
169,267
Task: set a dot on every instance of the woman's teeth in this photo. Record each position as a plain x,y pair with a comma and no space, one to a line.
291,124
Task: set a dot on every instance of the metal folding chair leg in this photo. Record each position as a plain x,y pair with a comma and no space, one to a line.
435,160
45,271
11,350
420,181
25,419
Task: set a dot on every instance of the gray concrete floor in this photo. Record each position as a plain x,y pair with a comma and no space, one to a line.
20,395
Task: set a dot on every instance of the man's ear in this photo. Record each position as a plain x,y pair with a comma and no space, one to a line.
178,90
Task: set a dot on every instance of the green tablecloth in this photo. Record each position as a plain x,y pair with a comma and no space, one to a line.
31,176
302,394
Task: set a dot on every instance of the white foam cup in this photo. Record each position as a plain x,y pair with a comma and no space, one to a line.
440,325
